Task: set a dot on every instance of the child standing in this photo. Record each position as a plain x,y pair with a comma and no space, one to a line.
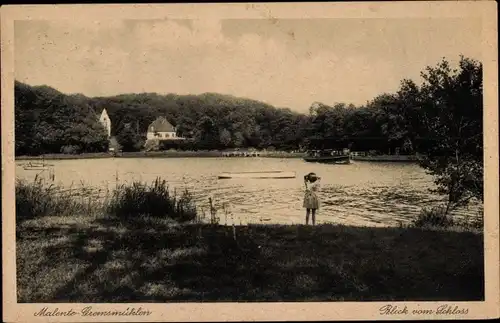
311,200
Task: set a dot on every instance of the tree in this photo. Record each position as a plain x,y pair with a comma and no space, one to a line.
206,136
451,114
47,121
408,103
225,137
129,139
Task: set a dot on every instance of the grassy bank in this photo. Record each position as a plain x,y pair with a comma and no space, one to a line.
131,252
63,259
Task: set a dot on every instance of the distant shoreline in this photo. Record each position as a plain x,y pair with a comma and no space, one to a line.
161,154
209,154
387,158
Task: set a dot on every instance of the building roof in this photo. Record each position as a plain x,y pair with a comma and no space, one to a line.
161,125
103,112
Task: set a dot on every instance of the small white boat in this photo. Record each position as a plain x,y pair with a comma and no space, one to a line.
263,174
36,166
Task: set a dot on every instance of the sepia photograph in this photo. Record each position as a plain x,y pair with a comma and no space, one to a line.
202,158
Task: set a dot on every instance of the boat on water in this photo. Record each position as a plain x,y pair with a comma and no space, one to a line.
327,157
262,174
36,166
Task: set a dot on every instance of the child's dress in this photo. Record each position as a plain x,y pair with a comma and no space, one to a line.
311,200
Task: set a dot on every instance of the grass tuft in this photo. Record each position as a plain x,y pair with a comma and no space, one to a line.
433,217
437,218
152,200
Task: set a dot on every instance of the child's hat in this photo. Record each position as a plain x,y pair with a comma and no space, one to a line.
311,176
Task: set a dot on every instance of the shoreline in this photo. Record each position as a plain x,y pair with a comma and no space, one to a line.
387,158
208,154
162,154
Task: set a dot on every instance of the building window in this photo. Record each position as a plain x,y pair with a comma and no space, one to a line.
167,135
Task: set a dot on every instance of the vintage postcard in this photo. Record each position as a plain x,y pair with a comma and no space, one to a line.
250,162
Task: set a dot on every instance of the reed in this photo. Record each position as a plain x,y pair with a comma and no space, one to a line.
40,198
153,200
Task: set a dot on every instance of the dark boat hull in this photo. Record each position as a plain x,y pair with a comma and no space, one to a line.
328,159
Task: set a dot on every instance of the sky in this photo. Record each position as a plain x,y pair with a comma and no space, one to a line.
284,62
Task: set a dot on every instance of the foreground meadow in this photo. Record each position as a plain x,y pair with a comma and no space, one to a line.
103,260
127,250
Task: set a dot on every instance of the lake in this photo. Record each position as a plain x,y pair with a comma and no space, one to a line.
362,193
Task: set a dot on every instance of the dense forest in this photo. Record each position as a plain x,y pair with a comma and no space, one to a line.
47,121
210,120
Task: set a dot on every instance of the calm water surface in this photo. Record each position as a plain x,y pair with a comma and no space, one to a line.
362,193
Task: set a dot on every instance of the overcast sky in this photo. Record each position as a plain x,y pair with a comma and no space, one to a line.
287,63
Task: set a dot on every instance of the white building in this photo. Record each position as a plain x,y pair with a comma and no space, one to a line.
105,121
161,129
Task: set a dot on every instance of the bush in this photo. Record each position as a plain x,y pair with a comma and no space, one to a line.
471,222
130,140
433,217
151,200
70,149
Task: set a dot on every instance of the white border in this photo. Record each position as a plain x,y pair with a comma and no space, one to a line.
486,10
